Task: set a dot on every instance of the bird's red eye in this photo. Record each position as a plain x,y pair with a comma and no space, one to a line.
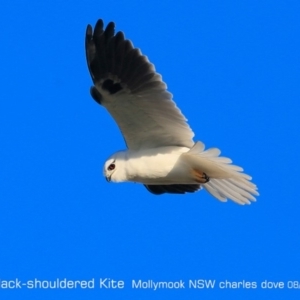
111,167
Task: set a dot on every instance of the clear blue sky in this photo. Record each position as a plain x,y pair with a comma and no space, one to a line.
233,68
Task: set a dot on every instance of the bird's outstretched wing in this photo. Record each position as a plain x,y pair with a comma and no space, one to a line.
126,84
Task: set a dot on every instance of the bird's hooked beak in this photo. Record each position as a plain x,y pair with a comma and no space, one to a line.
108,178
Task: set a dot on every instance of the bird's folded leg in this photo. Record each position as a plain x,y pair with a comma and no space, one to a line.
200,177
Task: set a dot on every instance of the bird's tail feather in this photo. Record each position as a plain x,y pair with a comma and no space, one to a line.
225,180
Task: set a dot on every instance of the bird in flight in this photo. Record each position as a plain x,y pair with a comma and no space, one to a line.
161,152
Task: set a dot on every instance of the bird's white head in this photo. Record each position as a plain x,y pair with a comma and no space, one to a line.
114,168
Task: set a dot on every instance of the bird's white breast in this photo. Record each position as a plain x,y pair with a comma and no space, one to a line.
151,165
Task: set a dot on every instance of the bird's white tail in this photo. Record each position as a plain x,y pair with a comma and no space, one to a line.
226,180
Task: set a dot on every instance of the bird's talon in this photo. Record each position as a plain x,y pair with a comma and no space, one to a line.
206,178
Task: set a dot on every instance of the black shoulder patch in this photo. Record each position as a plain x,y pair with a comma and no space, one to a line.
110,86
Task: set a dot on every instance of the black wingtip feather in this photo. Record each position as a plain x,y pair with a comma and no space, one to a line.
89,31
98,30
109,30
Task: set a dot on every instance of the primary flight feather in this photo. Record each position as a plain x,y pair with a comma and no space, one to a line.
161,152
